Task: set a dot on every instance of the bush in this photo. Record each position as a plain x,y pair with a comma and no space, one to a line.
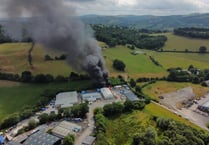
119,65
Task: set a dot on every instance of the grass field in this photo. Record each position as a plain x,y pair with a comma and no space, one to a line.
175,42
120,131
136,65
161,87
168,60
14,97
13,59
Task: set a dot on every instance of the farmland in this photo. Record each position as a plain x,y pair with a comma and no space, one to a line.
180,43
15,97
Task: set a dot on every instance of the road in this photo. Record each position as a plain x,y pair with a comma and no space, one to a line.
89,130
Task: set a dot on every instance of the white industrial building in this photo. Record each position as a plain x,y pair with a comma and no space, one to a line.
65,128
91,97
66,99
107,94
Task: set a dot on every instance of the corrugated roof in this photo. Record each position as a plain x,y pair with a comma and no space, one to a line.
66,99
13,143
91,96
107,93
65,128
89,140
41,138
131,96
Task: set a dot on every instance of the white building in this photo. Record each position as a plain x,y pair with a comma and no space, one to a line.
107,94
91,97
66,99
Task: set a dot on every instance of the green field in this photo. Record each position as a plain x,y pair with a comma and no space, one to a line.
15,96
13,59
121,130
168,60
161,87
180,43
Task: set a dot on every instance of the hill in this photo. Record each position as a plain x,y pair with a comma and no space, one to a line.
150,22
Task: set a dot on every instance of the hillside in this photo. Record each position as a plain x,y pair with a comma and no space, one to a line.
150,22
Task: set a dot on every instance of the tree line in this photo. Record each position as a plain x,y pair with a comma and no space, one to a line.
116,35
193,32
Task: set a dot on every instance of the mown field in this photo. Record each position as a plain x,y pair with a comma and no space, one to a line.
161,87
13,59
121,130
180,43
16,96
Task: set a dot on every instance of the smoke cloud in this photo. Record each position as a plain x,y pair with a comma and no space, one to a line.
55,25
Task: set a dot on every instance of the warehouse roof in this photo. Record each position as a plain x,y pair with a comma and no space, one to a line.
13,143
107,94
91,96
130,95
66,99
65,128
89,140
41,138
206,104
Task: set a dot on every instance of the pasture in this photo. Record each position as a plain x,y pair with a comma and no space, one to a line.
15,96
180,43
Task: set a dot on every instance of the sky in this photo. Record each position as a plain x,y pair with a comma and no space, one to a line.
134,7
140,7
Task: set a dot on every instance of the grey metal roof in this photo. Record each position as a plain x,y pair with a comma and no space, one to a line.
107,94
130,95
66,99
13,143
89,140
41,138
91,96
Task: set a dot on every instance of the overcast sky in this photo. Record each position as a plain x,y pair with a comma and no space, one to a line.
135,7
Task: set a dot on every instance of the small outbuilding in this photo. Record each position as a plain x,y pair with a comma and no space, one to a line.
89,140
106,93
66,99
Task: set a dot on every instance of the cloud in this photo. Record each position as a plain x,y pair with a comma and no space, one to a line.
140,7
135,7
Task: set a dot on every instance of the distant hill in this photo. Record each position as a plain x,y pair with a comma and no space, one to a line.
150,22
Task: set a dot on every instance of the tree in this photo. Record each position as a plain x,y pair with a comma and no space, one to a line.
119,65
138,89
203,49
32,124
69,140
132,83
128,105
43,118
47,57
26,76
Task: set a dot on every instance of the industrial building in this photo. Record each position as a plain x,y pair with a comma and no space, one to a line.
204,107
13,143
65,128
66,99
107,94
130,95
42,138
89,140
91,97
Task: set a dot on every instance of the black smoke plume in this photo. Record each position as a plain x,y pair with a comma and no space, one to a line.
55,25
